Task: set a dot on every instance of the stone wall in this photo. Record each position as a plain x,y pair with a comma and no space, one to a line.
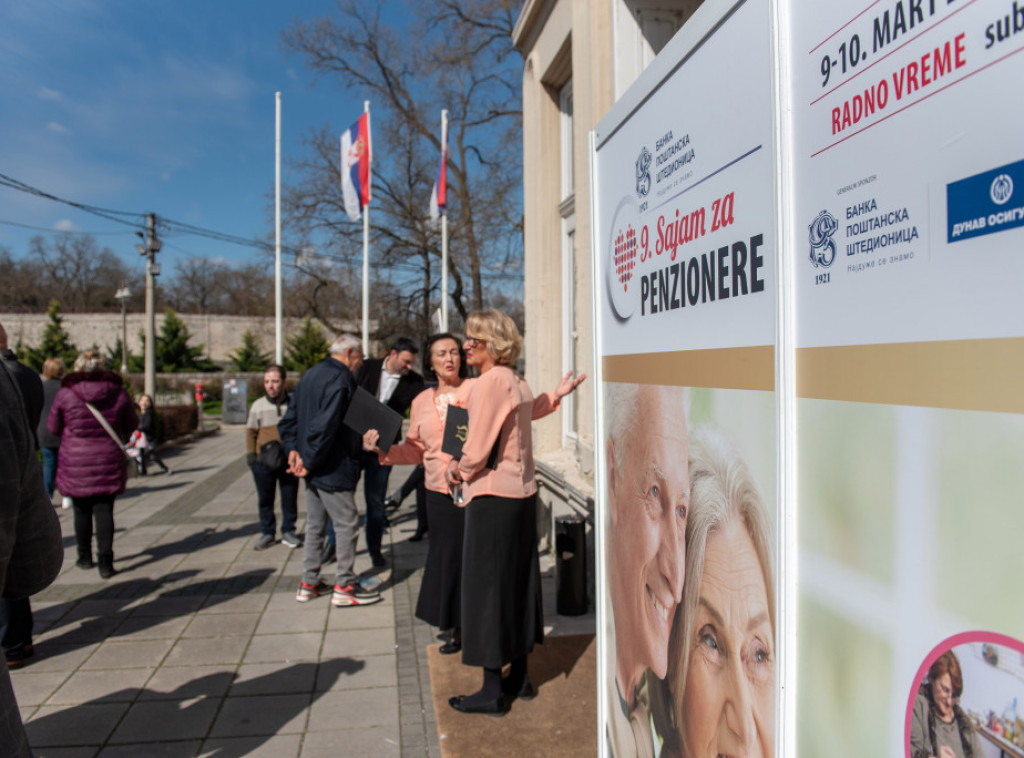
220,335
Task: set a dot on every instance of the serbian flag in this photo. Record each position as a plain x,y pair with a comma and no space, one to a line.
437,195
355,166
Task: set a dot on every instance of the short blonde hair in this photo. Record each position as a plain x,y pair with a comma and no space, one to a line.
499,334
90,360
53,368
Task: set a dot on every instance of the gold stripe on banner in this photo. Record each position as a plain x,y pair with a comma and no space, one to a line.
976,375
734,368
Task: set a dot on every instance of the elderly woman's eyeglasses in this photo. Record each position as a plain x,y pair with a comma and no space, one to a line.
472,342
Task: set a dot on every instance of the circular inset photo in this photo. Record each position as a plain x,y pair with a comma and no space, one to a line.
967,700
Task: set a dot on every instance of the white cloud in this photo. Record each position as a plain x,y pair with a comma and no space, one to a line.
53,126
45,93
67,225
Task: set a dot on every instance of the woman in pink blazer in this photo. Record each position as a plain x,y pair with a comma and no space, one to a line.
502,616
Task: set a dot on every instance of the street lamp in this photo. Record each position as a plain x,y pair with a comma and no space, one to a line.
123,295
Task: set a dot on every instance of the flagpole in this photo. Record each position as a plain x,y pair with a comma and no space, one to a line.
366,251
444,228
278,339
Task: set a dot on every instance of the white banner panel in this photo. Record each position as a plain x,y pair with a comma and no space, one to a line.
908,176
685,285
909,158
685,204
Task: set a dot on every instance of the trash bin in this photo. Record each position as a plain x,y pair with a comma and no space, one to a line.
571,565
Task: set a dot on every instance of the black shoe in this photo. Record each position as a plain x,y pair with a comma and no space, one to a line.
417,536
85,562
450,648
378,559
498,707
328,555
106,564
526,691
391,503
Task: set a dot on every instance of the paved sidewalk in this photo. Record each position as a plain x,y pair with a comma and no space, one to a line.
198,647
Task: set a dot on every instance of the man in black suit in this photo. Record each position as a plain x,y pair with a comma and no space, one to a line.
392,381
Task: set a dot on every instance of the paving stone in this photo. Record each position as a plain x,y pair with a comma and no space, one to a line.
222,625
129,653
177,749
362,708
283,746
303,618
152,627
359,642
32,688
275,678
376,741
85,724
347,673
207,650
261,715
101,686
184,682
304,646
166,720
253,602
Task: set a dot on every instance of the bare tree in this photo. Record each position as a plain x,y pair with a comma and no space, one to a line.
76,272
461,58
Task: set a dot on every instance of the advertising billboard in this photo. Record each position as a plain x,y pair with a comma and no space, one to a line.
807,235
685,262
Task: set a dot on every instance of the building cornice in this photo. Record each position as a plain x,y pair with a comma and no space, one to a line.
530,18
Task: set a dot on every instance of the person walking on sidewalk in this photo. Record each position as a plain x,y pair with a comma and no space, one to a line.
142,445
324,452
91,466
266,457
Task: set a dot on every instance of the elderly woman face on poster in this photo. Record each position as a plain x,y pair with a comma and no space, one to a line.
722,654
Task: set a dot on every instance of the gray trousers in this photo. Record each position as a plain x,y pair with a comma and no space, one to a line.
340,507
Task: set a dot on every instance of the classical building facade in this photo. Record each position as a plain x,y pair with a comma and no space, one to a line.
580,57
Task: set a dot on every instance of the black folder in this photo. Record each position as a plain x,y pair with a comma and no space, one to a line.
367,412
456,426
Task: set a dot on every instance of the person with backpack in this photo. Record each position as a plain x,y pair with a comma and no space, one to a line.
266,458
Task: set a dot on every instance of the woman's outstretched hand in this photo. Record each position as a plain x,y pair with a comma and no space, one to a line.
568,384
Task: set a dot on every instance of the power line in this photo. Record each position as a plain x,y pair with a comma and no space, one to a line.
63,231
107,213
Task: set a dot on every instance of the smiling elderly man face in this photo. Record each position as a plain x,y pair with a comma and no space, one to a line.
649,493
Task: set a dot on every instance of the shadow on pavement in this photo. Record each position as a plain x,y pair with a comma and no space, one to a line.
119,604
207,538
188,712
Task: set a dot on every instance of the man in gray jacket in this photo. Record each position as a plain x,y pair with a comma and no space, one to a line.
31,551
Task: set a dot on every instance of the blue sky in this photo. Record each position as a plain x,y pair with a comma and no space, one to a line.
139,105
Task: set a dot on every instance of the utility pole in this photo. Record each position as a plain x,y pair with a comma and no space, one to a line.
150,250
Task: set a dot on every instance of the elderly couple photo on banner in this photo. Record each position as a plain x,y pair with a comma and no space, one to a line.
690,578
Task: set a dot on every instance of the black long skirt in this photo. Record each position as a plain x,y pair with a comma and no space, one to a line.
502,611
441,589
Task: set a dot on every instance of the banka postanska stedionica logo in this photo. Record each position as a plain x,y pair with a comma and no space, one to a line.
643,172
819,236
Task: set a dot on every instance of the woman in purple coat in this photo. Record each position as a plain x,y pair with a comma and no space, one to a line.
91,466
